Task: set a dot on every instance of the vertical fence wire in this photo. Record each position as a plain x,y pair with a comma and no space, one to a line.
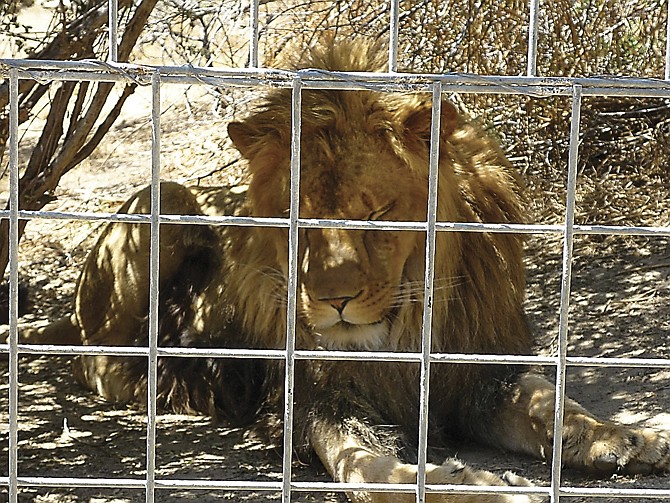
113,23
566,278
533,30
292,287
394,21
426,334
253,34
154,260
13,284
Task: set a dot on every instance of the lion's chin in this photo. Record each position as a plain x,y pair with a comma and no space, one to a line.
348,336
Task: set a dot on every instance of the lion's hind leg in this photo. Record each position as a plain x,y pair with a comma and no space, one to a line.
349,458
112,295
62,331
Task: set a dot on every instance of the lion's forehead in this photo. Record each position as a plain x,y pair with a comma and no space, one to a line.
354,183
348,199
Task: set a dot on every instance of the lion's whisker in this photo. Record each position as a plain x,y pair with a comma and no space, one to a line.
413,293
403,302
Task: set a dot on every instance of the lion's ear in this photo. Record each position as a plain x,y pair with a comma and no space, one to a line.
417,122
244,137
252,136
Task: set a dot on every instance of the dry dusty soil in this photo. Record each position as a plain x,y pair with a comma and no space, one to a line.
619,307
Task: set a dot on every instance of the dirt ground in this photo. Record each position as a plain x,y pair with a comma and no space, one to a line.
619,308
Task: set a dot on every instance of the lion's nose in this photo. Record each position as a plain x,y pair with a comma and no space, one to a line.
339,303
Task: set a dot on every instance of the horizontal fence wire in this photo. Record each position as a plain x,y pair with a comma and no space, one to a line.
539,87
317,223
270,354
238,485
393,81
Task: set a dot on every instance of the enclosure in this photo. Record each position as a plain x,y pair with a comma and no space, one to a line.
576,93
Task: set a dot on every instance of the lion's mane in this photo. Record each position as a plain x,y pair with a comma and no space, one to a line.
479,276
226,285
479,307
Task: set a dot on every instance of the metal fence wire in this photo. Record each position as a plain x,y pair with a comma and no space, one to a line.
256,77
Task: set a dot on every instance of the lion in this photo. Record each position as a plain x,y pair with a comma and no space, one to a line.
364,156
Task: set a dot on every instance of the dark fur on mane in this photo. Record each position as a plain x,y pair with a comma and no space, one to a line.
227,389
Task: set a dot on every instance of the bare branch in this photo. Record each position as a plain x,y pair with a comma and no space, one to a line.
57,150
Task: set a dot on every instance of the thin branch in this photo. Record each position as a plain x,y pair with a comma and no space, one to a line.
102,130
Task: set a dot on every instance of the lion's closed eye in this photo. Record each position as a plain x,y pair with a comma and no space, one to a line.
379,213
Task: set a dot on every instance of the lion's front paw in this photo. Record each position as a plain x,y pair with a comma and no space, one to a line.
610,448
453,471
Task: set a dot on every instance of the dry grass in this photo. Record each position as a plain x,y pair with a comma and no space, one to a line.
625,150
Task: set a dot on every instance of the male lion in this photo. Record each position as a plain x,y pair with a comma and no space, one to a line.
365,156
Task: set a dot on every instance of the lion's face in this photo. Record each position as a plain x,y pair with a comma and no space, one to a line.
351,281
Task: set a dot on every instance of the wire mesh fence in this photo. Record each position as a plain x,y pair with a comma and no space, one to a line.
255,77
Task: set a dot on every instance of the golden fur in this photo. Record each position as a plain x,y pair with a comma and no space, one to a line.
364,157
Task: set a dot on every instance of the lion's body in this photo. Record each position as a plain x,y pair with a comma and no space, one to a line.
364,157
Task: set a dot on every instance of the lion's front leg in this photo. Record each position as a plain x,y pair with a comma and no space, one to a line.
526,424
348,459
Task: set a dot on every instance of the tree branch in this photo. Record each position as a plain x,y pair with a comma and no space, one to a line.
58,149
